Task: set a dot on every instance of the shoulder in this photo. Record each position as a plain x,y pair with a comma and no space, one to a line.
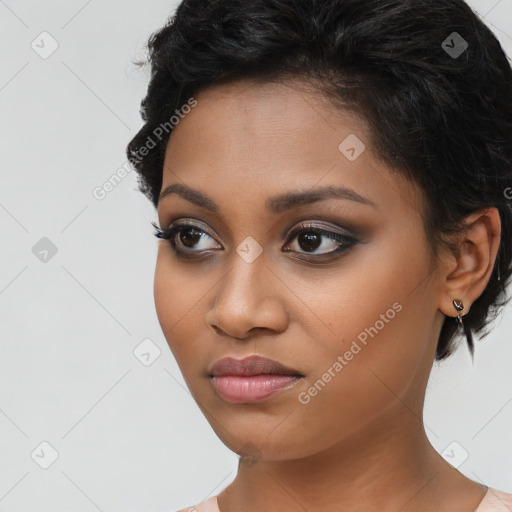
208,505
495,501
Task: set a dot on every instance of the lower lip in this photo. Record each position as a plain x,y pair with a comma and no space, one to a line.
239,390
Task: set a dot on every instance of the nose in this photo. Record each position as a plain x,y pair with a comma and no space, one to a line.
248,298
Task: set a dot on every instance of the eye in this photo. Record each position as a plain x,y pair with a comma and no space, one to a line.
191,238
309,239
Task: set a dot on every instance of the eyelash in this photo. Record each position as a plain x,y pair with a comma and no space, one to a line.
170,233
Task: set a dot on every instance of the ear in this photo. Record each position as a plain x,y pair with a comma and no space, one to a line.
467,270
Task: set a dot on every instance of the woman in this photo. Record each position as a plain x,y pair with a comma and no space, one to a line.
334,208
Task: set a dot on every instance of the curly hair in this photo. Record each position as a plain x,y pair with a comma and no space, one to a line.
429,78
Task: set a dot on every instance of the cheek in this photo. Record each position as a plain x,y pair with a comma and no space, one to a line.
378,326
161,292
341,406
176,294
179,304
356,381
174,301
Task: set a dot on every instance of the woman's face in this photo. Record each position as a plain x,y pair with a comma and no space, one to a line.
357,317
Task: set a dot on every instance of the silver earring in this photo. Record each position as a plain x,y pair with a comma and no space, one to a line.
459,306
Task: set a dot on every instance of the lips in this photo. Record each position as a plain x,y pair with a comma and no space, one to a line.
250,366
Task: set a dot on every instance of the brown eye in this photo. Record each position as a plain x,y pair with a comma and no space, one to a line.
309,241
185,239
189,236
311,238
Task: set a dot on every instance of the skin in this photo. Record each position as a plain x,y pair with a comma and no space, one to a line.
360,443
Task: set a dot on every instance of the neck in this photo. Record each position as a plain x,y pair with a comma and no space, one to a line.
389,465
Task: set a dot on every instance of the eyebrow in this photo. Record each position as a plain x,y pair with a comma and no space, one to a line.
277,204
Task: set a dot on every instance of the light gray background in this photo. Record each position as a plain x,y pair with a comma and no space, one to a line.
129,437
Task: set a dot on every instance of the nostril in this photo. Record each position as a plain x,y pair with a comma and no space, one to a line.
218,330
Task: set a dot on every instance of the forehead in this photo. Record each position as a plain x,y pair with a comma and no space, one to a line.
244,141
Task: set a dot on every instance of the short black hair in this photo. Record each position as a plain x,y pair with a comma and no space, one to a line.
428,77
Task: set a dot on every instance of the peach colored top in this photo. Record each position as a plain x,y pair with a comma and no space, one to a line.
494,501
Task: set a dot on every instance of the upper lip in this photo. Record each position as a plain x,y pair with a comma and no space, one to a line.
252,365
